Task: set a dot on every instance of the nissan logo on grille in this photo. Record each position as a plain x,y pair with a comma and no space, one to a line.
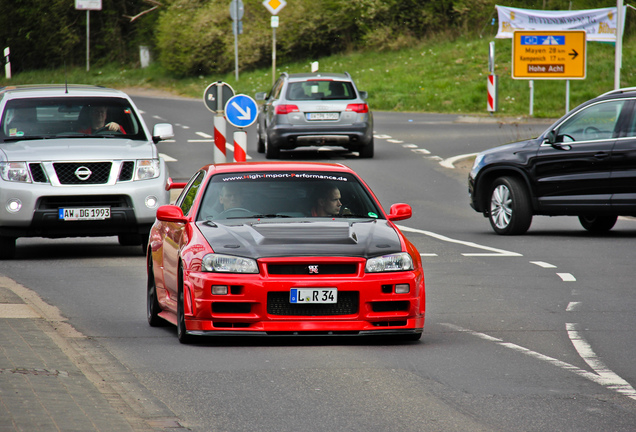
83,173
313,269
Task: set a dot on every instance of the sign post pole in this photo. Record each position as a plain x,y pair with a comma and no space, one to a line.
274,6
214,98
88,6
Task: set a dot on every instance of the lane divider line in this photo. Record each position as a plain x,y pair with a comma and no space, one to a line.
608,380
543,264
606,376
494,251
567,277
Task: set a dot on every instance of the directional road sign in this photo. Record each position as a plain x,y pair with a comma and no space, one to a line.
241,111
538,54
216,95
274,6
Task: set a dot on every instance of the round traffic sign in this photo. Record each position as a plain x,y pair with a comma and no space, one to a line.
241,111
216,95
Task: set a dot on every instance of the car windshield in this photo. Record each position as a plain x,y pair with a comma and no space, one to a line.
286,194
38,118
320,90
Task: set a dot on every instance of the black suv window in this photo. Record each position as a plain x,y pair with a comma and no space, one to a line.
596,122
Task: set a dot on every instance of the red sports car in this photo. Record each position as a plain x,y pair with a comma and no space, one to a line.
282,249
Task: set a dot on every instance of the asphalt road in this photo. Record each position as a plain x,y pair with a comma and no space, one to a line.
528,333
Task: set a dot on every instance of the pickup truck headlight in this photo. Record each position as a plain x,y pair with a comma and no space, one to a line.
15,171
147,169
389,263
228,264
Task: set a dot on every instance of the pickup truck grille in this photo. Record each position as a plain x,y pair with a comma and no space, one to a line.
81,173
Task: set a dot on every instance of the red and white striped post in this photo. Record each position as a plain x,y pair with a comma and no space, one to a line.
492,93
240,146
219,139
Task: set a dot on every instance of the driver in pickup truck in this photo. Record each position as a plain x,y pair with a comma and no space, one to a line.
97,119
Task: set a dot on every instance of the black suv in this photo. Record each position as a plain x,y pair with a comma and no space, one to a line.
583,165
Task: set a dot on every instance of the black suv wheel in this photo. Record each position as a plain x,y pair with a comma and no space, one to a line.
510,211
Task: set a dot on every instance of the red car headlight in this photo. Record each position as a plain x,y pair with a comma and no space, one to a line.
389,263
228,264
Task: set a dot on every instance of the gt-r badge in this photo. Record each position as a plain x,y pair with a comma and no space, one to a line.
313,269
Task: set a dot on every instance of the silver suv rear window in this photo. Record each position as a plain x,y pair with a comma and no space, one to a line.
320,90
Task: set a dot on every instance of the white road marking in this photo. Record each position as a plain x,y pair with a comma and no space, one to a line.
157,117
380,136
450,162
421,151
495,252
410,146
394,141
428,254
605,377
567,277
167,158
204,135
200,140
573,306
542,264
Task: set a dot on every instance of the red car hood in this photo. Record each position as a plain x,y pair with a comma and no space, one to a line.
360,238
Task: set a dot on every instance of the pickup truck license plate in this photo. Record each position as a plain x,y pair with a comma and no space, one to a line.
313,295
84,213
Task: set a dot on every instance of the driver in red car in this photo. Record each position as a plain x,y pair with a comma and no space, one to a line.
230,197
97,119
327,202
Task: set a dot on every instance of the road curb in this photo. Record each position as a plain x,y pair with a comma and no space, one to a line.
124,400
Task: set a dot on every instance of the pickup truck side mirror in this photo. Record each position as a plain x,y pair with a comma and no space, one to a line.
161,132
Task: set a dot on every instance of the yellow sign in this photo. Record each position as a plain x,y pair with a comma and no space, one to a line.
538,54
274,6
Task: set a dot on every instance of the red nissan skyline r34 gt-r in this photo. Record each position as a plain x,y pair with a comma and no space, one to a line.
282,249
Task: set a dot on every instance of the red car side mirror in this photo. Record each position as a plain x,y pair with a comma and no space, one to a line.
400,211
171,213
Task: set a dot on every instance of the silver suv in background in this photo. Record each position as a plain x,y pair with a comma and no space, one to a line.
62,174
314,109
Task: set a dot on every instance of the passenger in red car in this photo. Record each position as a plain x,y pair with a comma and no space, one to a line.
327,202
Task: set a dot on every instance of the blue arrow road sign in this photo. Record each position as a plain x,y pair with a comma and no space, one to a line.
241,111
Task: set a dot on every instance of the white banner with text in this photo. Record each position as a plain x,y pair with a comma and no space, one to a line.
599,24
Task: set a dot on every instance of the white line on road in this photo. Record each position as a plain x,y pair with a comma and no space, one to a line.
567,277
450,162
608,378
204,135
495,252
421,151
573,306
167,158
543,264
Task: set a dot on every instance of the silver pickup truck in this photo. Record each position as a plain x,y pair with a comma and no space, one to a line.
77,161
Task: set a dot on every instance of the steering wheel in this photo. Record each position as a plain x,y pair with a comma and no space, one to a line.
236,210
101,129
591,130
